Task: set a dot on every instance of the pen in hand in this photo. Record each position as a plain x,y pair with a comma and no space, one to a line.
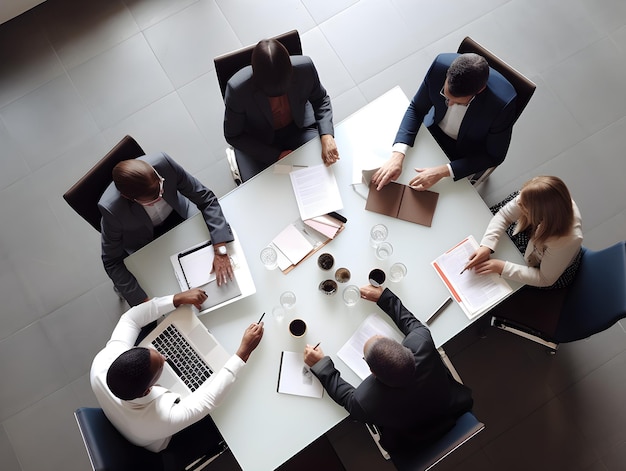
318,344
262,315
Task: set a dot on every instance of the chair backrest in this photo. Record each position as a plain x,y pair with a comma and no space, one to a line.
597,298
228,64
523,86
84,195
108,450
425,458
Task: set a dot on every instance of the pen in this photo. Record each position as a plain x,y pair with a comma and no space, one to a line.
262,315
439,310
463,270
318,344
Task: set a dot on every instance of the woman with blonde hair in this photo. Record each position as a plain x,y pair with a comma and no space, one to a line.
544,223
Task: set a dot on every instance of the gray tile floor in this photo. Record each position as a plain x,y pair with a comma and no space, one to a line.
76,76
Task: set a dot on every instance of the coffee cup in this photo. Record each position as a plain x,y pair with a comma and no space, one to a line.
297,328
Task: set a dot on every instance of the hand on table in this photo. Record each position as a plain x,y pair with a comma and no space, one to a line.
427,177
195,296
389,171
330,154
223,269
481,255
371,293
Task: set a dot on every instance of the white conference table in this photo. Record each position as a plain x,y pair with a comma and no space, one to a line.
263,428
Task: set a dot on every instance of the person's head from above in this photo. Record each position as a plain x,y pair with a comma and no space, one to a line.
137,180
390,362
271,67
546,206
466,77
134,372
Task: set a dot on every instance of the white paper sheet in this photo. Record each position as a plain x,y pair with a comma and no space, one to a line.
316,191
352,351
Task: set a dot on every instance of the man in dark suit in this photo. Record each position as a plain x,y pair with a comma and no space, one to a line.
410,395
150,195
274,106
469,109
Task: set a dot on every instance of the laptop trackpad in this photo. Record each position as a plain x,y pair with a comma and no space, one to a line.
202,340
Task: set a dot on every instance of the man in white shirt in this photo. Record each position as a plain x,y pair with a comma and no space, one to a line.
124,377
469,109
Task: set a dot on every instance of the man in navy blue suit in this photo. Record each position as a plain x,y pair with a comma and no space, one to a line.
468,107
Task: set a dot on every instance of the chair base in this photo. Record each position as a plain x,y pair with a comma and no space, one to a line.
527,334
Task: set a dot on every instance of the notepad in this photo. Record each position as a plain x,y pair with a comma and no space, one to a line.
403,202
295,377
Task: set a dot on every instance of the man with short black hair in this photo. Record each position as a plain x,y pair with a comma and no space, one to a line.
468,107
124,379
410,395
149,196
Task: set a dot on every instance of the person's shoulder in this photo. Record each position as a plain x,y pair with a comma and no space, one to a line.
300,61
500,86
241,78
445,58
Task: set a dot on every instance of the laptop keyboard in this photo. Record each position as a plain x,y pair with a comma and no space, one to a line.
186,363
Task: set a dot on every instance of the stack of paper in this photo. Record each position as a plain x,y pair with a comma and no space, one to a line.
326,225
292,246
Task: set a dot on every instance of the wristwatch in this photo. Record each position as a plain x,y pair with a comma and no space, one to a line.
221,250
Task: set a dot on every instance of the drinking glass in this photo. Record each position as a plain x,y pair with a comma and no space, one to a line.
378,233
288,300
397,271
269,257
384,251
351,294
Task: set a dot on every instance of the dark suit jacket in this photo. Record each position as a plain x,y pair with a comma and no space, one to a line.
485,132
126,227
424,409
248,124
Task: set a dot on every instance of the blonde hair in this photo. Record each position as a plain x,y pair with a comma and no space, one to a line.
546,208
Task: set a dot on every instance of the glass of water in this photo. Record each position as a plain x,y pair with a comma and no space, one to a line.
397,271
269,257
351,294
384,251
288,300
378,233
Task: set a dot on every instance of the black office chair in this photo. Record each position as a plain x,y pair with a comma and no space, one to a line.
523,87
108,450
230,63
84,195
423,459
592,303
427,456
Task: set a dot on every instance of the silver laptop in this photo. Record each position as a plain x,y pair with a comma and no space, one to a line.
193,354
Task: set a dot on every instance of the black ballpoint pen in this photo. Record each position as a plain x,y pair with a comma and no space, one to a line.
262,315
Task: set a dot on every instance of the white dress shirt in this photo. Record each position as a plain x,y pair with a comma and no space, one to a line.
544,264
450,125
151,420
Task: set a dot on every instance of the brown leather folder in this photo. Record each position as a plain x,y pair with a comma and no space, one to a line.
403,202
